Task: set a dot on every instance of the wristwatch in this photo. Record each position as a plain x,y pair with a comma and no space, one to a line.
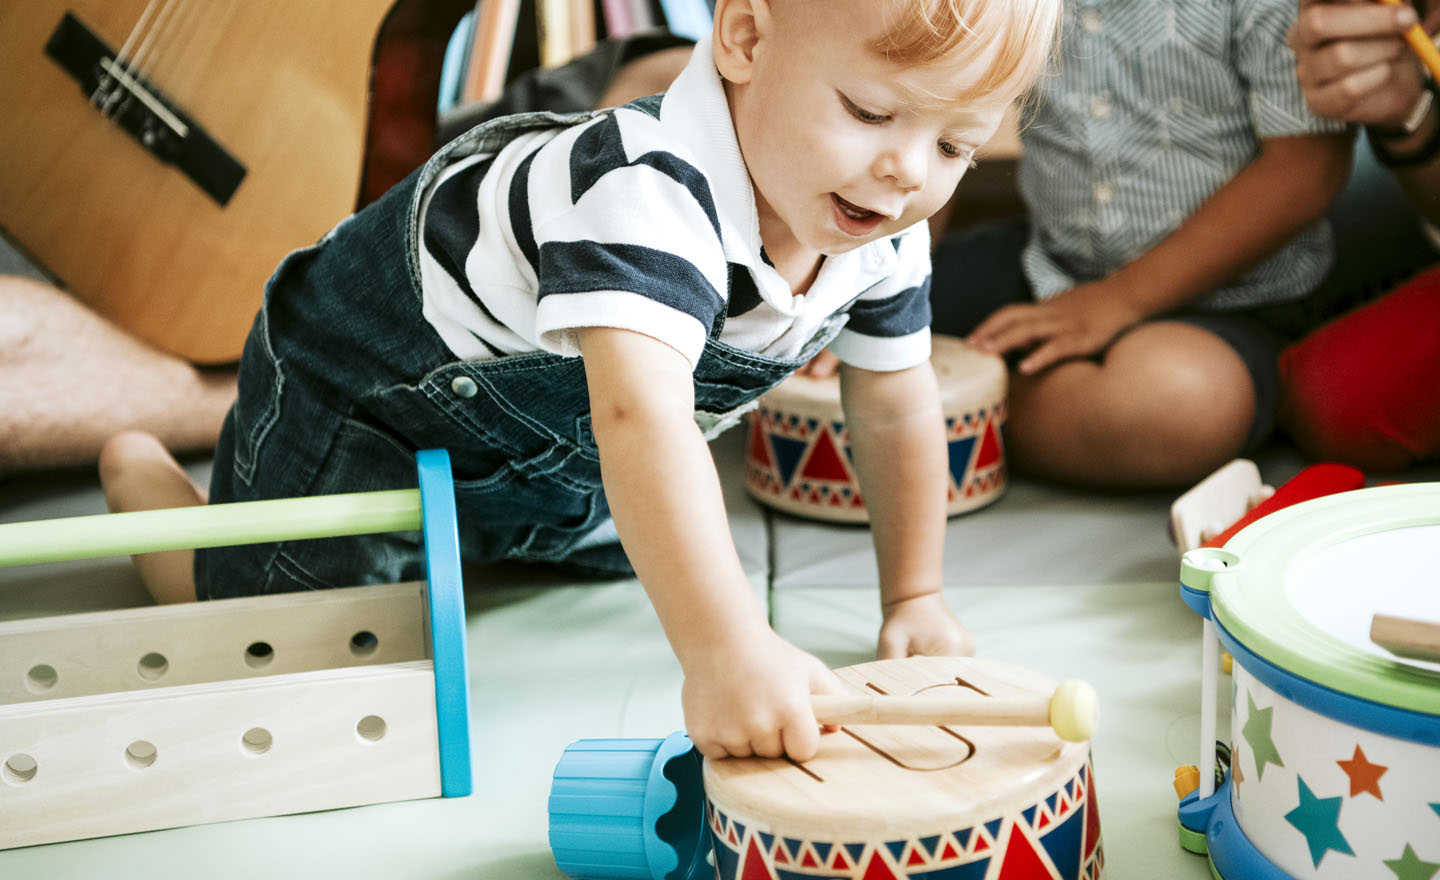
1425,152
1412,121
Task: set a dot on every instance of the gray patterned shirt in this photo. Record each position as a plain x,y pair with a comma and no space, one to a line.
1157,104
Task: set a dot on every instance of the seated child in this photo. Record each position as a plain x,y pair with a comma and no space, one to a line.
571,305
1175,183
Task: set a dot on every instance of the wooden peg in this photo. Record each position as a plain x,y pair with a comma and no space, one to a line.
1072,710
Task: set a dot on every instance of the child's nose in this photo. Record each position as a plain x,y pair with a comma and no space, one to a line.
904,165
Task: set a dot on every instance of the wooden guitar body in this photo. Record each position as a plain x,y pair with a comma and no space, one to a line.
281,89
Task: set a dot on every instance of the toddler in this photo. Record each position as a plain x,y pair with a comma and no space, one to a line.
571,305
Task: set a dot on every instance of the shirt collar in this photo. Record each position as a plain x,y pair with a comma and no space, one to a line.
696,109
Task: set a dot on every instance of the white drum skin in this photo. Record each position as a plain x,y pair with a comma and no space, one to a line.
797,455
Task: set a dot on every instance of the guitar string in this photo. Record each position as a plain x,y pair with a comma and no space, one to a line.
117,63
149,46
143,65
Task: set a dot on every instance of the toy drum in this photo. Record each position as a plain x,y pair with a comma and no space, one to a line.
1335,767
887,803
798,456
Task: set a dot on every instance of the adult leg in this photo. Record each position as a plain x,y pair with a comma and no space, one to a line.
71,380
1168,403
1363,389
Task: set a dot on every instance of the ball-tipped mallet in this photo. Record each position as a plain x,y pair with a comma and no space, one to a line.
1072,711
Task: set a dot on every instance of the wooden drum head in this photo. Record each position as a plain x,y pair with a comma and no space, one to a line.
890,802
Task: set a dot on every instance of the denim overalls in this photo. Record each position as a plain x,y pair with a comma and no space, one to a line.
342,380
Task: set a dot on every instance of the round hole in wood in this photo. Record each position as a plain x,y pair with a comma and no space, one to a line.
371,728
41,678
364,643
140,754
256,741
152,666
259,654
19,768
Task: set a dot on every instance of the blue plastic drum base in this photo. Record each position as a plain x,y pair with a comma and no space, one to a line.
1232,855
630,809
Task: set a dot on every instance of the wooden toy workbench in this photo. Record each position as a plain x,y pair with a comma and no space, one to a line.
149,718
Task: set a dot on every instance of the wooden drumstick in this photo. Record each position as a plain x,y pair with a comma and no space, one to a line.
1407,636
1072,711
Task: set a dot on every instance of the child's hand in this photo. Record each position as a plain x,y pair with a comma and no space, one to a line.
756,700
923,625
1080,322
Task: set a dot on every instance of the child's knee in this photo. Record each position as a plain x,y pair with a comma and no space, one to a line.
123,453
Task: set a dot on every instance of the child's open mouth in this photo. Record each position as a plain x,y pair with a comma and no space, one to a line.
853,219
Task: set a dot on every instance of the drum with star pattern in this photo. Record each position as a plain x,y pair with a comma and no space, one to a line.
1335,765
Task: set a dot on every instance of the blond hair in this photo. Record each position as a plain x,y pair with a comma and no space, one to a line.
1021,34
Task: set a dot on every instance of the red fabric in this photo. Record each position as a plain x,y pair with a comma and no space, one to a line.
1315,481
1365,388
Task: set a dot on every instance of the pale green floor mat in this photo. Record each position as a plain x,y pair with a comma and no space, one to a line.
1068,585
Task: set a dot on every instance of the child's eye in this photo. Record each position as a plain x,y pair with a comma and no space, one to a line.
862,114
955,151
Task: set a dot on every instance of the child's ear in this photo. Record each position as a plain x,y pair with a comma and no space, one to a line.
739,25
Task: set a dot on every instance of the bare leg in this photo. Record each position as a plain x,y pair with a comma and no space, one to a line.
1168,405
69,380
138,473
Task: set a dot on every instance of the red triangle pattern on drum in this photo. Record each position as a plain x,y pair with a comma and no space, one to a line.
755,867
759,449
824,462
989,447
1092,818
877,869
1021,860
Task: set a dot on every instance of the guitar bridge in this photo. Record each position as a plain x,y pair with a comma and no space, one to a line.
140,109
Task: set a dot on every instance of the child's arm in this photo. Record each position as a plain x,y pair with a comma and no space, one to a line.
747,691
897,435
1288,186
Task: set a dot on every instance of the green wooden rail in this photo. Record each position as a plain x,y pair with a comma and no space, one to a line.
213,525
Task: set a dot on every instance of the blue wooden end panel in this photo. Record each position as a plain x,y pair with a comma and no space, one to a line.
445,597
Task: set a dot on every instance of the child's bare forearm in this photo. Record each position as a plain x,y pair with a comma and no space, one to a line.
665,498
664,494
897,436
1287,187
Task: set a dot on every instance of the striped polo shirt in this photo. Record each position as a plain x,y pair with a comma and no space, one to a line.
644,219
1158,103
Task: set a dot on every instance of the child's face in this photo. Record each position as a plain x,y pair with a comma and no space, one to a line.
843,146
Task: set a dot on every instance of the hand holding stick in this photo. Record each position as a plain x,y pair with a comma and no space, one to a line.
1072,711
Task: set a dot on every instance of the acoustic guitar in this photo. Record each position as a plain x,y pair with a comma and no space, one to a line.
160,157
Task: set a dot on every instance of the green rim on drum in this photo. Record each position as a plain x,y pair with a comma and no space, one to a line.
1252,595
